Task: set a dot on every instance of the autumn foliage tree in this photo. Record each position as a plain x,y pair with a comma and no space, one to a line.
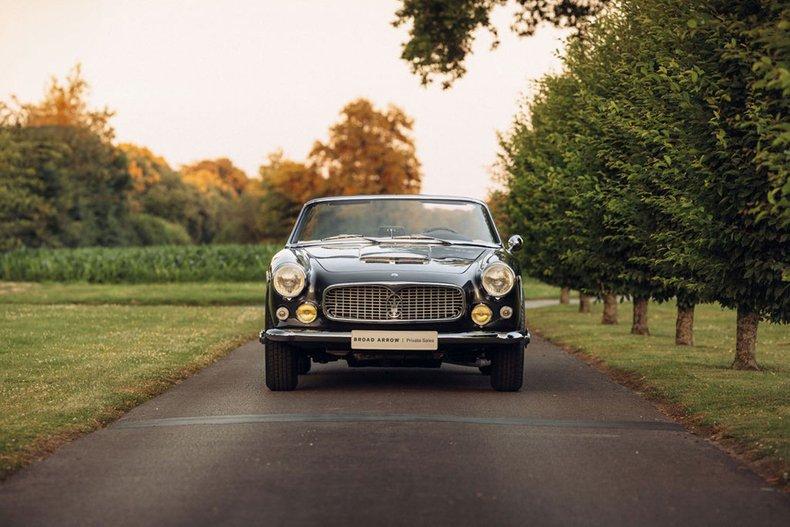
64,104
63,181
216,174
368,152
285,185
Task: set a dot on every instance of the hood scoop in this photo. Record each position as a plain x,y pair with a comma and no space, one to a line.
395,258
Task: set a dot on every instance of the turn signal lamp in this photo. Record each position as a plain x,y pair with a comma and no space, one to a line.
481,314
306,313
282,313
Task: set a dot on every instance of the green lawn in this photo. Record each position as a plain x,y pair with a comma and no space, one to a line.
180,293
186,293
753,408
66,369
535,289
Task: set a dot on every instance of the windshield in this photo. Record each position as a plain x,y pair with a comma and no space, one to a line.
453,221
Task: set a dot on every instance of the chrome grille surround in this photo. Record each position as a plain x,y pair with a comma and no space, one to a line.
393,302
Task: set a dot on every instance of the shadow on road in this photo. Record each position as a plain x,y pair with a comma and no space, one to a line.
447,378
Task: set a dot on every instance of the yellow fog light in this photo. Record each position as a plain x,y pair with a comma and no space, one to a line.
306,313
481,314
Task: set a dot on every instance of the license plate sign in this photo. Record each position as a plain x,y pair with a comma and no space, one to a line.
394,340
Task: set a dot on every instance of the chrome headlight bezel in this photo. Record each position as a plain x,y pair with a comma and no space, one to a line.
299,277
507,277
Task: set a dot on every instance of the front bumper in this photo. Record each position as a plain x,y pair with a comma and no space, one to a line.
343,338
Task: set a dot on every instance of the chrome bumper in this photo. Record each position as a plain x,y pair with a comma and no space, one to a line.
343,338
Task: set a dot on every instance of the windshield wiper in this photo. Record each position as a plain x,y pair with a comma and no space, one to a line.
421,237
349,236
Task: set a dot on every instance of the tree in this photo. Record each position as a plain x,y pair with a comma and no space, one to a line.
181,203
62,186
216,175
441,32
702,105
64,104
145,168
368,152
741,52
25,212
497,202
285,186
673,171
549,173
63,183
166,210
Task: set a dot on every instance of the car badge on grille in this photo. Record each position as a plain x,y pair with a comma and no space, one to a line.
394,305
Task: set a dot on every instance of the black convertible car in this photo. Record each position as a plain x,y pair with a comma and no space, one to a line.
395,281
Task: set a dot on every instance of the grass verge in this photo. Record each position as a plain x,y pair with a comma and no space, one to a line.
178,293
746,412
67,369
535,289
187,293
74,356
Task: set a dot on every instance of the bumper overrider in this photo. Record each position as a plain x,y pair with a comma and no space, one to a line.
343,338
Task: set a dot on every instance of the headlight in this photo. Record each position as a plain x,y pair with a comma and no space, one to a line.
289,280
498,279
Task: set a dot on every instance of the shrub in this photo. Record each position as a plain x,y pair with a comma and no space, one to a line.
152,230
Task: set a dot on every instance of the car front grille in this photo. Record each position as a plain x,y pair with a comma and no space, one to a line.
383,303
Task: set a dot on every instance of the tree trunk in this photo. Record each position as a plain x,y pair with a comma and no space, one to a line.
746,340
684,325
565,295
639,324
609,309
584,303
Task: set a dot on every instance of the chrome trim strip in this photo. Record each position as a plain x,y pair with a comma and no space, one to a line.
344,337
394,286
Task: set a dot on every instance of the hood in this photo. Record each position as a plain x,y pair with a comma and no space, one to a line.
339,258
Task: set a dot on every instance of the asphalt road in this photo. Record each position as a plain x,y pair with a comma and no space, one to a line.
392,447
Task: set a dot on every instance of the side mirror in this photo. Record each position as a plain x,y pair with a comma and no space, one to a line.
514,243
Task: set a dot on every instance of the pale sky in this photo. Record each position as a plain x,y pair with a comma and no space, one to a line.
197,79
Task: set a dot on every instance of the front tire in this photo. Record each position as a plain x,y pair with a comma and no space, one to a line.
282,366
507,368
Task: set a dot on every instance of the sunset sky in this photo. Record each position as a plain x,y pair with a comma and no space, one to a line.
199,79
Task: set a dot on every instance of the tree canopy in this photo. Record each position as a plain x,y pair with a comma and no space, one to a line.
369,152
653,166
441,32
216,174
64,104
63,181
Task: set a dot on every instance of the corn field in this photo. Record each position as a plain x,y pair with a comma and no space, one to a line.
166,263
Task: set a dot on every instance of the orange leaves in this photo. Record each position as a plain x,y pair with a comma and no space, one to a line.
65,104
369,152
145,167
295,180
218,174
